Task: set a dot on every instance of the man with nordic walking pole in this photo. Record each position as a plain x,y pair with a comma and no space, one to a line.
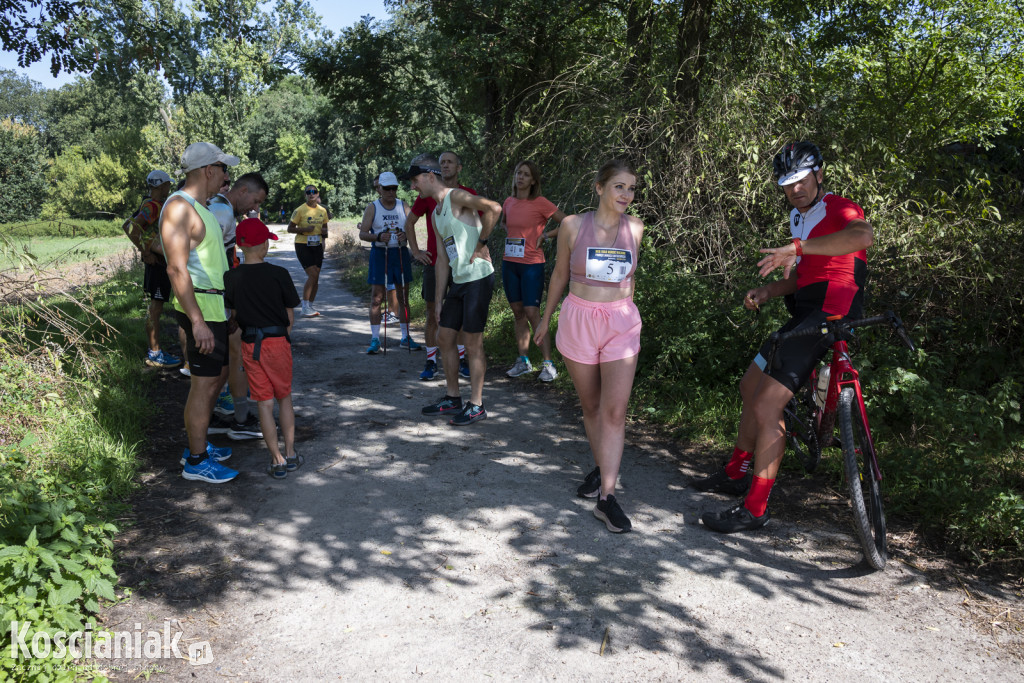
390,260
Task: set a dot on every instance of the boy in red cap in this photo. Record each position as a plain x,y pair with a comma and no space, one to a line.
262,296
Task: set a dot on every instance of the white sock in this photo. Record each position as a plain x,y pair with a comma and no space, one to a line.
405,330
375,331
462,351
432,353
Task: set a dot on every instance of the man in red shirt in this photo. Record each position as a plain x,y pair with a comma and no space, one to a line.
824,270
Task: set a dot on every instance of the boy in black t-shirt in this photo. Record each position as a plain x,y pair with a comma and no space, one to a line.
263,296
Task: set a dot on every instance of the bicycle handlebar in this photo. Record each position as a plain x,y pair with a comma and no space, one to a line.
840,328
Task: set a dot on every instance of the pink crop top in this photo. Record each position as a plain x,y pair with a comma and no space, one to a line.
611,266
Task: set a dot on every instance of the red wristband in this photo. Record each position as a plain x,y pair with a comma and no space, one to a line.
799,246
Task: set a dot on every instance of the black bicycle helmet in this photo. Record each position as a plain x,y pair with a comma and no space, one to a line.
795,161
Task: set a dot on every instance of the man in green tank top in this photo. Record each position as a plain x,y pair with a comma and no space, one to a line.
462,223
194,247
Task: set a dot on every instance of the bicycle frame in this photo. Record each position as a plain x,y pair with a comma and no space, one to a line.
842,374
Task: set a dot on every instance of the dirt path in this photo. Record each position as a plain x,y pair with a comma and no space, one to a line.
407,549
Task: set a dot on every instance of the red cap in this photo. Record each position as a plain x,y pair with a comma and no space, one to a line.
252,233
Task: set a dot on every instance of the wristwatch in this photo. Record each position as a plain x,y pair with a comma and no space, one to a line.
482,241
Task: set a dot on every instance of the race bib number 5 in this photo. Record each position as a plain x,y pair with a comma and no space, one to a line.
608,265
515,247
451,249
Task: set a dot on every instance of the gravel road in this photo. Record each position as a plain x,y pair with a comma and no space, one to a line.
406,549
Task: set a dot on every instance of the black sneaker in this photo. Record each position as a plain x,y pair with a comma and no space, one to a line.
591,485
250,429
446,406
719,482
736,518
609,512
219,424
470,414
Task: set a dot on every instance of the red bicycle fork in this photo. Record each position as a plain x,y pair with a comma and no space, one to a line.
843,374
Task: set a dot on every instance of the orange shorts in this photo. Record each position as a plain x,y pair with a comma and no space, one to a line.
270,376
593,332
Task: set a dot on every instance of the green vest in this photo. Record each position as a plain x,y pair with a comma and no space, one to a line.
207,263
459,240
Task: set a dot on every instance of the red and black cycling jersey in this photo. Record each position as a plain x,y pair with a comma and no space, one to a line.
833,284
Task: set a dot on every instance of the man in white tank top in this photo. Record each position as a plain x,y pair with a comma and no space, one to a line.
383,226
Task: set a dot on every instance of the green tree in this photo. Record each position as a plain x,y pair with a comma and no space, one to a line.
21,98
22,175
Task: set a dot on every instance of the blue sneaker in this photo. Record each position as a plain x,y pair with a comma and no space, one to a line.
219,454
225,405
374,346
429,370
408,343
162,359
464,368
210,471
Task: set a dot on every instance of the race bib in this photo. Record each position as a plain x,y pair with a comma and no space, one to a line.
451,249
515,247
393,242
312,240
608,265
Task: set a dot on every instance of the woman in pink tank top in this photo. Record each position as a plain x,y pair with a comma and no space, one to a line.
599,326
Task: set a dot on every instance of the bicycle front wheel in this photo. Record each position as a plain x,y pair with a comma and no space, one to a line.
865,492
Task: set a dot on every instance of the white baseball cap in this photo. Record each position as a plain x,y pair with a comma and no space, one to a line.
387,179
157,178
200,154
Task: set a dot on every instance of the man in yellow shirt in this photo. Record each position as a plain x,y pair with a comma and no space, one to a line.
309,225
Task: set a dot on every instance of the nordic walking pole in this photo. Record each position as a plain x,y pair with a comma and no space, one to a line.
404,302
384,304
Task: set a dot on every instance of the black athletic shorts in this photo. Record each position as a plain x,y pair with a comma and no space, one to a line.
156,282
430,283
465,306
795,358
309,256
212,364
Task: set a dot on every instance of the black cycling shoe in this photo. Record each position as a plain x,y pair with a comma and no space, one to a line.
609,512
591,486
736,518
719,482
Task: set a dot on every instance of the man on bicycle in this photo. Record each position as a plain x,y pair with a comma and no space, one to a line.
824,269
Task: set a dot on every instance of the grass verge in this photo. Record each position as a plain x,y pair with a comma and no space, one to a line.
72,416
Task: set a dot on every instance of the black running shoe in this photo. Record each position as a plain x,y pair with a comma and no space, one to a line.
609,512
250,429
591,485
719,482
219,424
736,518
470,414
445,406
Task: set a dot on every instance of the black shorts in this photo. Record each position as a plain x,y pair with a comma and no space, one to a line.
208,365
309,256
156,282
795,358
430,283
465,306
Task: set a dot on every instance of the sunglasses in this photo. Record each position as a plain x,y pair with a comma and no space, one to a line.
389,188
223,167
311,191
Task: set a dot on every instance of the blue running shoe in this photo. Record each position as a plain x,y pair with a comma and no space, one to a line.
374,346
162,359
219,454
429,370
210,471
225,405
408,343
464,368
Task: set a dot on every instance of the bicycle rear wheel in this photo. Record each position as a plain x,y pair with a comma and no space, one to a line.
802,430
865,492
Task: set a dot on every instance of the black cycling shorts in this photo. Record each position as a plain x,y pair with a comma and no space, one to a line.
156,282
309,256
205,365
795,358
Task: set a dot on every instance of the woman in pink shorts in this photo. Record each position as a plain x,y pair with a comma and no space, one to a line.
599,326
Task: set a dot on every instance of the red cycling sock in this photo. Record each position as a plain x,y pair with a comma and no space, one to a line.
757,498
738,464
